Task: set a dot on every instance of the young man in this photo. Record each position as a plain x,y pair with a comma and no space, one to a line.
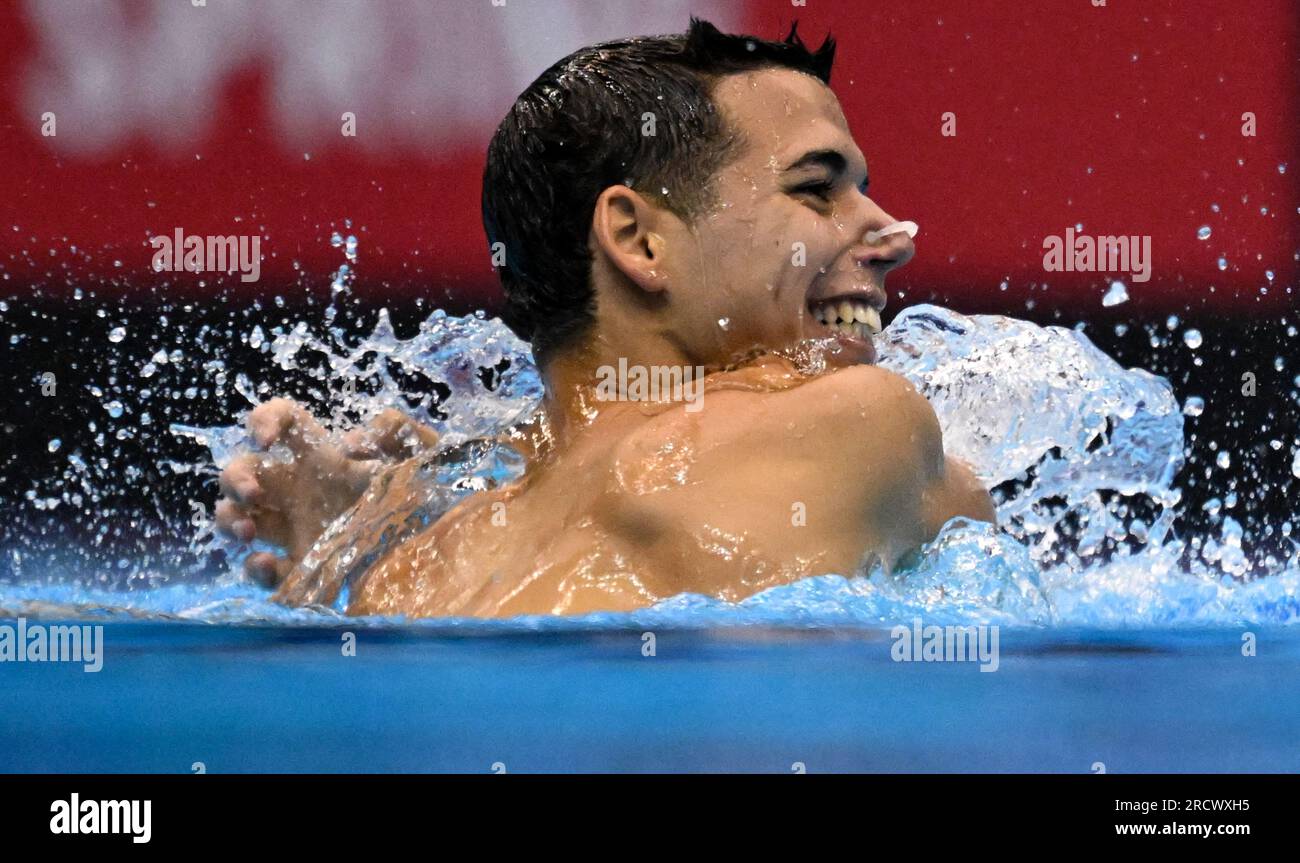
681,202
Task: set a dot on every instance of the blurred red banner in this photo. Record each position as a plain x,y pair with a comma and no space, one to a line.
1124,119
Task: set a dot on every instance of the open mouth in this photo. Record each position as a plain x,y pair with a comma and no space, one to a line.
849,316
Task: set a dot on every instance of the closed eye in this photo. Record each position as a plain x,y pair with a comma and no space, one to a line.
820,189
824,190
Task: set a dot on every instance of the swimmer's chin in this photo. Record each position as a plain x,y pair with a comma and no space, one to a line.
852,350
829,351
853,346
840,350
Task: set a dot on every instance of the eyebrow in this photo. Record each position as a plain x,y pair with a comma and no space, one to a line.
832,160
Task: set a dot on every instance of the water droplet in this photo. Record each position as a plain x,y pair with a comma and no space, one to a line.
1116,295
1223,460
1223,263
116,334
1203,232
114,408
1192,338
54,445
725,323
1194,406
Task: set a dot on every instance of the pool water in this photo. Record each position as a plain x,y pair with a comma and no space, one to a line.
1123,635
481,699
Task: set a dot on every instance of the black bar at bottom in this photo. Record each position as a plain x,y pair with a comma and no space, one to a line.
301,812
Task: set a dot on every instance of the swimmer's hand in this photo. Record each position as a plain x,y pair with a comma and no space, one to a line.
299,477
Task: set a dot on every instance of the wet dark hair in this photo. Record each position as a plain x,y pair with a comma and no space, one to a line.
577,130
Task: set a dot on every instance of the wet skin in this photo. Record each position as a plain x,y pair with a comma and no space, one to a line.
783,472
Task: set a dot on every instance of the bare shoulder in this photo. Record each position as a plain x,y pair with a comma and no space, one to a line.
863,413
860,440
888,423
881,408
860,435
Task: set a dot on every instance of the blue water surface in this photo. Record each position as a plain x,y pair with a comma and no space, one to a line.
1122,641
241,698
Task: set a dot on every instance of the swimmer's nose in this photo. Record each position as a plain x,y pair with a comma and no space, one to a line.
909,228
886,245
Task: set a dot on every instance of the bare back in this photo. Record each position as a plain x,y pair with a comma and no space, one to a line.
767,484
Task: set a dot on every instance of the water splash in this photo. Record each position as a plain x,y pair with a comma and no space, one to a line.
1083,455
1116,294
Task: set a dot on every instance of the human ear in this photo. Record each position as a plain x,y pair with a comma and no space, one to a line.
622,227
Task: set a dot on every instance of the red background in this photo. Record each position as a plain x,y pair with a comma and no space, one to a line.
1148,95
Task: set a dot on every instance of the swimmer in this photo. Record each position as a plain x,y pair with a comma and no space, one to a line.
738,238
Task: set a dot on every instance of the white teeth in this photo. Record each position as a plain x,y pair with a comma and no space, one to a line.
852,317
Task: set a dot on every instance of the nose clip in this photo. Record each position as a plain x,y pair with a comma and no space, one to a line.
873,237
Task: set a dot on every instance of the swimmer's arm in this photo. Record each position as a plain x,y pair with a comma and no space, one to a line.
947,487
862,438
878,420
958,493
383,516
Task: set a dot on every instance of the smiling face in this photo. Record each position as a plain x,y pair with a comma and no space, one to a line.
780,255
